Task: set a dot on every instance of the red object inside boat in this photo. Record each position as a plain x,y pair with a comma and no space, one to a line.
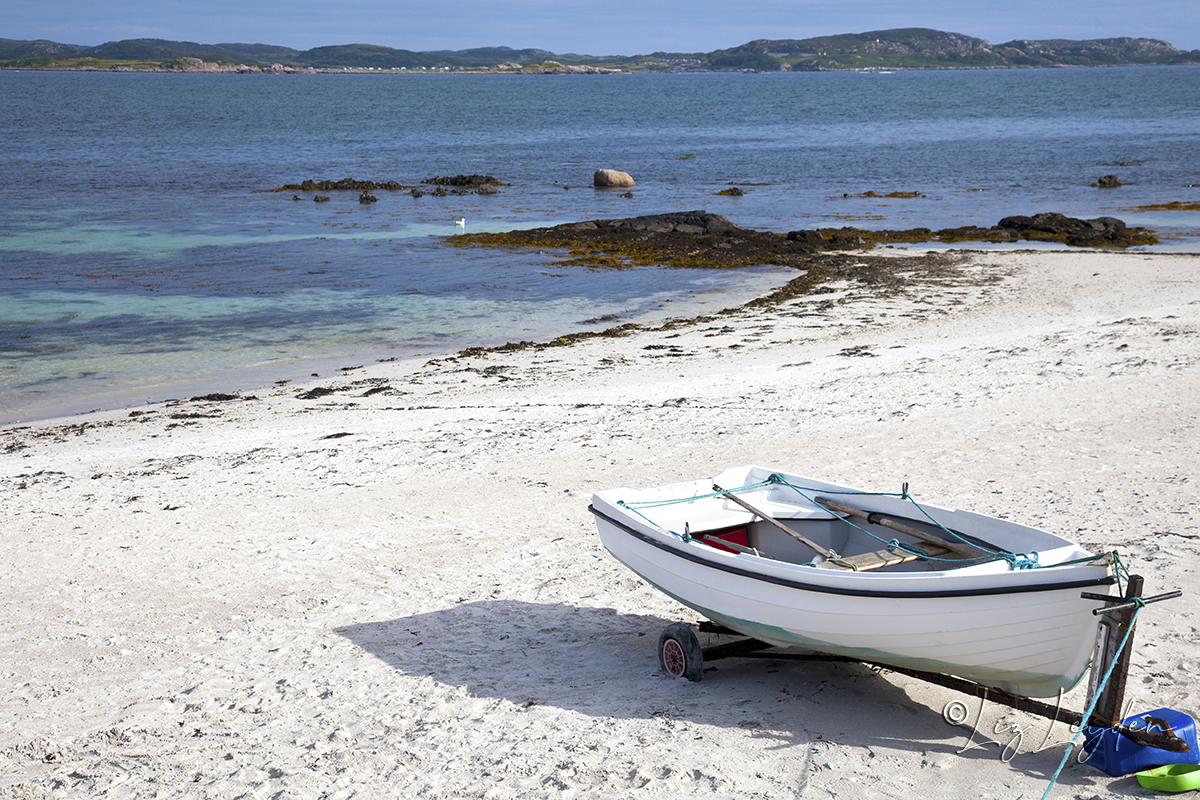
734,535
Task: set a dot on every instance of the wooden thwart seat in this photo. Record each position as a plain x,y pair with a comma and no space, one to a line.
879,558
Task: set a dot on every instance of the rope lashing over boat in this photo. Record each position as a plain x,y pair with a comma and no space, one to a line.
636,507
1119,570
1140,602
1021,560
1016,561
675,501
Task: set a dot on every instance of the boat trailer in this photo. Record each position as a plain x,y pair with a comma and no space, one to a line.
681,655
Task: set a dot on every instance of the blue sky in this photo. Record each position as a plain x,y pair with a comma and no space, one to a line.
595,27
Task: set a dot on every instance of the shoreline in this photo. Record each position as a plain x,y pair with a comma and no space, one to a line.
396,582
258,380
260,377
213,68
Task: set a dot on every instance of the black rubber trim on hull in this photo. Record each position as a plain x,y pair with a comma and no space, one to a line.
809,587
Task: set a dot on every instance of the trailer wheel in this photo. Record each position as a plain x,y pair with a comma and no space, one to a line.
679,653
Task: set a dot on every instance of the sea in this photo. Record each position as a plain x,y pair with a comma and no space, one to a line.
143,256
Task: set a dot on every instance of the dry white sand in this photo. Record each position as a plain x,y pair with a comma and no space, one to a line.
402,593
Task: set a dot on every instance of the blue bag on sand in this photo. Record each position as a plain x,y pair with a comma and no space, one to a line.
1109,751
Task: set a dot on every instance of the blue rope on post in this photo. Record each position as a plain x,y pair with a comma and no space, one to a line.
1096,698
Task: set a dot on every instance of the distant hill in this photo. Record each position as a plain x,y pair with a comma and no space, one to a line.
921,48
902,48
491,56
14,53
360,56
15,49
162,50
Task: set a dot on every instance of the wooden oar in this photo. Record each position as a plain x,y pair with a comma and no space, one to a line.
816,548
966,550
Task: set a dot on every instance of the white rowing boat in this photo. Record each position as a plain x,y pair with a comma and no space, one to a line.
798,562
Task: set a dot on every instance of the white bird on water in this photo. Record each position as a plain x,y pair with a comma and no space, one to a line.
461,222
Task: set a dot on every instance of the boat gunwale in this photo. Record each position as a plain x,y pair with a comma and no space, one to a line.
792,583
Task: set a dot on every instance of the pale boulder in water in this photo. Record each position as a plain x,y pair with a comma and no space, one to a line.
606,178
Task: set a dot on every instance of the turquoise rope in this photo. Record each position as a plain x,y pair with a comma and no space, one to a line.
1121,571
894,544
1016,561
1096,698
660,503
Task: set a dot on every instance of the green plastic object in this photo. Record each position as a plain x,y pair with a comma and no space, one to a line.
1171,778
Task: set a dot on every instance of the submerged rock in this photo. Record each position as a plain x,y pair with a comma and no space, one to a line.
343,185
464,181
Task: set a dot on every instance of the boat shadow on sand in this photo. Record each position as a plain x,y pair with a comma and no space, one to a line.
598,662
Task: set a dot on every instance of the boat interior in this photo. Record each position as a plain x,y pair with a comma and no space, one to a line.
837,531
797,520
848,541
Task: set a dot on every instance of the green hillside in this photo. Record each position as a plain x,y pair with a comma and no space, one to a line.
361,56
901,48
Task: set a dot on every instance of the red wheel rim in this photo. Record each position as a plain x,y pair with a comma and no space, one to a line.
673,658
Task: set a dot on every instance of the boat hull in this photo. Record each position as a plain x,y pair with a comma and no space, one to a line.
1027,632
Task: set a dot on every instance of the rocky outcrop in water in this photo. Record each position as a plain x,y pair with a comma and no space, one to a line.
460,184
464,181
696,223
695,239
612,179
698,239
1046,227
343,185
1098,232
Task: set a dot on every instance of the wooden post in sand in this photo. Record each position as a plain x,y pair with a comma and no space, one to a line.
1113,626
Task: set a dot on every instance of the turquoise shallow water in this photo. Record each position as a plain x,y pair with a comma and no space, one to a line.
140,254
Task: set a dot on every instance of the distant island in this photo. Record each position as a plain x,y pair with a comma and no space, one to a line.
903,48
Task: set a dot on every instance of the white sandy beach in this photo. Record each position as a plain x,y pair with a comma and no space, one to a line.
402,594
